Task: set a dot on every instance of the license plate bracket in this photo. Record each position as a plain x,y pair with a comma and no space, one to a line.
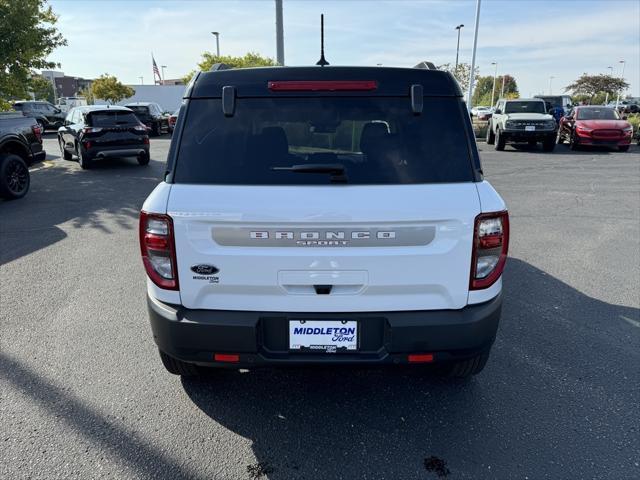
323,336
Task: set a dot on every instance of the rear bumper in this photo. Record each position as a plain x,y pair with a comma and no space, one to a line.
261,338
117,151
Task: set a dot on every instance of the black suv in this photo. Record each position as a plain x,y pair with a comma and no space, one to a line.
102,131
151,115
46,114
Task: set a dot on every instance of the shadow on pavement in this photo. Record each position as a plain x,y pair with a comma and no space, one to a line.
113,190
394,423
100,431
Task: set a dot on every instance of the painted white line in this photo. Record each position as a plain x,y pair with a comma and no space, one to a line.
45,164
635,323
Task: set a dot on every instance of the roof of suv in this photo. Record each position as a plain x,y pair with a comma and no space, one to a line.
522,99
94,108
253,82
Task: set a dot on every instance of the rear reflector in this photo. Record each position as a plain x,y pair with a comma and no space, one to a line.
420,358
226,357
323,85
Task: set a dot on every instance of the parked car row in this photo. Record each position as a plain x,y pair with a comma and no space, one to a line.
529,121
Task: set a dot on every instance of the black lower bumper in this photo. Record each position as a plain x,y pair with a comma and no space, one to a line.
262,338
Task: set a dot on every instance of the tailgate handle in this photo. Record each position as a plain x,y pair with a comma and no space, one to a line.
323,289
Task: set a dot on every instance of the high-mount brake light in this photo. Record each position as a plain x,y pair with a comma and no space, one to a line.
490,247
323,85
157,247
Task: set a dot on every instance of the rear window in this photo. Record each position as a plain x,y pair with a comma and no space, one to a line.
525,107
22,107
112,118
374,140
139,109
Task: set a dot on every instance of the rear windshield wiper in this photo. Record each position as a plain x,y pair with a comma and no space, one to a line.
335,170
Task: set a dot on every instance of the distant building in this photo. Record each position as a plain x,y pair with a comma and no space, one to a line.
64,85
169,97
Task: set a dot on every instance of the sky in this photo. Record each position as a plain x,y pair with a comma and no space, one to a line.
532,40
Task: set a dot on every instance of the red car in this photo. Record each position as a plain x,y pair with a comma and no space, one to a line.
595,125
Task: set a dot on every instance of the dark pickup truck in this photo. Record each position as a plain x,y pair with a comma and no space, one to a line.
20,147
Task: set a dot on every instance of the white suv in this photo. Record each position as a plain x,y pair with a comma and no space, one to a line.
324,215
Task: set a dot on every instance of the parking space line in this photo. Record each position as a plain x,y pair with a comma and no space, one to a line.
45,164
635,323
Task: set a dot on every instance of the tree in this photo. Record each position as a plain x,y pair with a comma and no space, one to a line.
461,74
28,37
250,59
87,93
41,88
108,88
592,85
482,93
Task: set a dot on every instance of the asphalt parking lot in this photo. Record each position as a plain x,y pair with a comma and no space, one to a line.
83,393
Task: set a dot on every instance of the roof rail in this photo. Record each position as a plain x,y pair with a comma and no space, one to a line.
426,65
220,66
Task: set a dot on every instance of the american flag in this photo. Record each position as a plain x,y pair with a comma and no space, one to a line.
156,72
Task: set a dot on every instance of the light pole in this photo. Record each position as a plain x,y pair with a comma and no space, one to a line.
163,67
550,80
141,80
606,97
495,74
621,78
279,34
473,54
217,35
459,29
502,89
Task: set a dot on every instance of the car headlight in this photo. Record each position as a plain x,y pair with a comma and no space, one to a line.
510,124
550,124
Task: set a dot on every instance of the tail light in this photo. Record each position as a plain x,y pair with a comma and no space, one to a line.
145,140
158,250
140,128
490,246
37,131
92,129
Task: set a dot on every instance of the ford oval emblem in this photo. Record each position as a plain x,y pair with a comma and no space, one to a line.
204,269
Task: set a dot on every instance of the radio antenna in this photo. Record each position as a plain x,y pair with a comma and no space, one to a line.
322,62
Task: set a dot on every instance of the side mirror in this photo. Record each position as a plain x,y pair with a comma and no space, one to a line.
498,111
624,117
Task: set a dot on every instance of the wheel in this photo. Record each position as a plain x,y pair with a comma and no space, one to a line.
491,137
573,142
559,139
178,367
468,367
157,129
14,177
500,140
143,159
66,155
623,148
85,163
549,143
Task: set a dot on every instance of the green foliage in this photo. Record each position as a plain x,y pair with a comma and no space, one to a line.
482,92
107,87
27,37
592,85
461,73
41,88
5,106
250,59
634,120
87,93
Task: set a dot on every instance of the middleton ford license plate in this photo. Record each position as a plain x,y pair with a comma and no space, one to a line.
326,336
530,128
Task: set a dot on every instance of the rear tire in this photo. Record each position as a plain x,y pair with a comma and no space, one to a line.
65,155
467,368
14,177
549,143
500,140
623,148
491,137
178,367
84,162
143,159
573,142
